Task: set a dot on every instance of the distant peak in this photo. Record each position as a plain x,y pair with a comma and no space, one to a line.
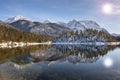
19,17
48,21
16,18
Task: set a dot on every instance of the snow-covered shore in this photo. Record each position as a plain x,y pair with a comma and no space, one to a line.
22,44
11,44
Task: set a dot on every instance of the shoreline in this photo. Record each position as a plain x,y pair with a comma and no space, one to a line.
90,43
22,44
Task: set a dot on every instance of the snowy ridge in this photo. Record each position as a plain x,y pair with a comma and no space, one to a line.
16,18
82,25
51,28
75,25
90,25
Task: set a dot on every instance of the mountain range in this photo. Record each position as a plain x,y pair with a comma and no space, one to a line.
57,29
51,28
74,24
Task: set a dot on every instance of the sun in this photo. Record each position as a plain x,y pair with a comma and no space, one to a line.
108,62
107,8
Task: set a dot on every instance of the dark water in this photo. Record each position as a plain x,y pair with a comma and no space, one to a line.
60,62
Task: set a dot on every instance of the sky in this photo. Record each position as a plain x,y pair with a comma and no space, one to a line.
63,10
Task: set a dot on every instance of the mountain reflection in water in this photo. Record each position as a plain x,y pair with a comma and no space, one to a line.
60,62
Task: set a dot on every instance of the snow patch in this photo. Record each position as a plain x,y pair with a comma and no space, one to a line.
16,18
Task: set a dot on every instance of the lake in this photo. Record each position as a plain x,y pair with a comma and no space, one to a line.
60,62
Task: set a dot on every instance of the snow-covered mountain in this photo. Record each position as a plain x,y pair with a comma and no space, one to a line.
16,18
82,25
50,29
75,25
90,25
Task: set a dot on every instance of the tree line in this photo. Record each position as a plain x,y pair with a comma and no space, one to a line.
8,33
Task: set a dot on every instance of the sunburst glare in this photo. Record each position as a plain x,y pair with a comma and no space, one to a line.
108,62
107,8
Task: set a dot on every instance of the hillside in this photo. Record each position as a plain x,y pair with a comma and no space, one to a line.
88,35
49,29
10,33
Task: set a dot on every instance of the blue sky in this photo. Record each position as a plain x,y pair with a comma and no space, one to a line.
62,10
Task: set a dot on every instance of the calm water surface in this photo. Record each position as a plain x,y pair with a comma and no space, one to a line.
60,62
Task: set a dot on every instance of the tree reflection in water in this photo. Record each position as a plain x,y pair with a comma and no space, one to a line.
44,62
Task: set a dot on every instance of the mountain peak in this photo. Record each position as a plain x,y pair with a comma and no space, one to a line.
16,18
81,25
48,21
74,24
